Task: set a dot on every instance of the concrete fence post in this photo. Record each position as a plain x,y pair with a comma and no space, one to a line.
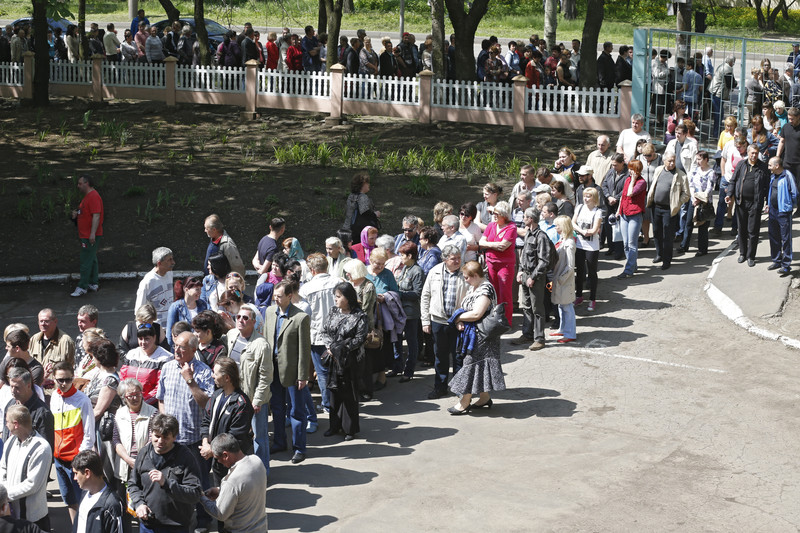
170,80
250,90
625,103
337,94
425,96
519,103
97,77
27,75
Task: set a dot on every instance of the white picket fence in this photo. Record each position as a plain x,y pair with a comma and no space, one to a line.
11,74
141,75
296,84
213,79
473,95
594,102
66,73
367,88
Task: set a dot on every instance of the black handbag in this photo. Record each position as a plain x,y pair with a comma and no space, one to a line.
107,427
494,323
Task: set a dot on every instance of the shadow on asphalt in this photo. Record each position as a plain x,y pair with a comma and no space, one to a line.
285,499
381,430
525,402
296,521
319,475
610,337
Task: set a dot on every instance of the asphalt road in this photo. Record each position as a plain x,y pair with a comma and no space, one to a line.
664,416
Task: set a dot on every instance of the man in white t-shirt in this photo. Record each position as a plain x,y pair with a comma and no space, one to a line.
156,286
100,509
626,144
470,230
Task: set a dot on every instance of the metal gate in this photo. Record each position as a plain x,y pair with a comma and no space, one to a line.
657,87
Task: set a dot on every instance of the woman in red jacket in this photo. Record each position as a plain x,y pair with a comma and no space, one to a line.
294,55
629,215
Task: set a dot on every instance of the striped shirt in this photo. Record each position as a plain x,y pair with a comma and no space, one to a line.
178,400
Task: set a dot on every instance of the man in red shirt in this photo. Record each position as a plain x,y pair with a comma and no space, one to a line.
89,217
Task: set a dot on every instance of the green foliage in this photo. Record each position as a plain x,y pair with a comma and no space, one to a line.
419,185
331,210
134,190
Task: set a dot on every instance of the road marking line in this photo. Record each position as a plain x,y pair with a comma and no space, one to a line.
644,360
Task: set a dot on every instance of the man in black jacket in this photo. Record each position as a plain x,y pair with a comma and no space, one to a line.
534,262
748,189
351,59
165,481
606,73
101,509
249,48
624,65
21,383
612,188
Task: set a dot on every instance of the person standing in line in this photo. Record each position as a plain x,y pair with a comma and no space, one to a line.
564,281
781,198
101,509
789,146
747,189
156,286
89,218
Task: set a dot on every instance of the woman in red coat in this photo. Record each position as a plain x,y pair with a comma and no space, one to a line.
294,55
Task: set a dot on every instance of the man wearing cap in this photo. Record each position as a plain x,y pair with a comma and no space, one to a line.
89,218
600,160
586,179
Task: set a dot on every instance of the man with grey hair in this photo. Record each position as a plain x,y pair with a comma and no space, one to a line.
452,236
535,261
156,286
720,90
442,294
26,462
21,384
409,233
600,159
626,144
15,525
240,500
335,256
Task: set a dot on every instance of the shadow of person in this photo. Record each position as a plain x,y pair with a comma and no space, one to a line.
286,499
298,521
320,475
545,408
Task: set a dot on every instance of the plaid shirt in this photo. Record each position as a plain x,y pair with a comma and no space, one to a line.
178,400
449,287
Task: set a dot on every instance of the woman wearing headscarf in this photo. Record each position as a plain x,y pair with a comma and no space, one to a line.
364,248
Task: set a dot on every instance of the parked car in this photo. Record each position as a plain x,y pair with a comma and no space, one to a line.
28,21
216,31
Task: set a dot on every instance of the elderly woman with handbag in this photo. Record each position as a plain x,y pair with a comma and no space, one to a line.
481,372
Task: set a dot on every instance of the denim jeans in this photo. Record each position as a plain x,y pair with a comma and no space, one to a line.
630,227
260,435
322,374
702,232
308,401
297,414
716,112
780,237
682,216
567,314
412,341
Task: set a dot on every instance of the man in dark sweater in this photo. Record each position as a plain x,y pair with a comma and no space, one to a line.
21,383
747,188
165,481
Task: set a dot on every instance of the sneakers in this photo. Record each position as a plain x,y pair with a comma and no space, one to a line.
538,345
578,300
94,287
591,306
78,292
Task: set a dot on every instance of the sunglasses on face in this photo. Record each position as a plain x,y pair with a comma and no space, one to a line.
63,381
243,317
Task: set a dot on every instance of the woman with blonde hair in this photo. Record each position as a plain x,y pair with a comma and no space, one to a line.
491,195
587,221
563,293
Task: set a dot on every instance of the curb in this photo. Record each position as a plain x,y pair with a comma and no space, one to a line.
108,276
734,313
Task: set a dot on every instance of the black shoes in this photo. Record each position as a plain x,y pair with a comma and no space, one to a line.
774,266
665,266
435,394
276,449
657,259
330,432
488,405
741,259
298,457
349,437
700,254
405,379
457,412
751,263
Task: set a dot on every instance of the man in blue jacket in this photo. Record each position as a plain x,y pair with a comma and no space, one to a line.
781,198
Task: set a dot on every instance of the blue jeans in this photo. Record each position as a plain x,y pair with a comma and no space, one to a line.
716,112
444,348
297,415
567,314
630,227
412,341
780,237
260,435
322,374
682,219
71,493
308,401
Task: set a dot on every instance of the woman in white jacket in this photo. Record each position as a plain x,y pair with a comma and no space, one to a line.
564,280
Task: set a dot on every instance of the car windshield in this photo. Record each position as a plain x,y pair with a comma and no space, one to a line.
214,28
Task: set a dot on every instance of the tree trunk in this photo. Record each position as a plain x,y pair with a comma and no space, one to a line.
41,74
595,11
551,23
762,23
333,10
773,15
202,32
172,12
464,27
84,47
322,17
348,6
569,8
684,24
440,44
